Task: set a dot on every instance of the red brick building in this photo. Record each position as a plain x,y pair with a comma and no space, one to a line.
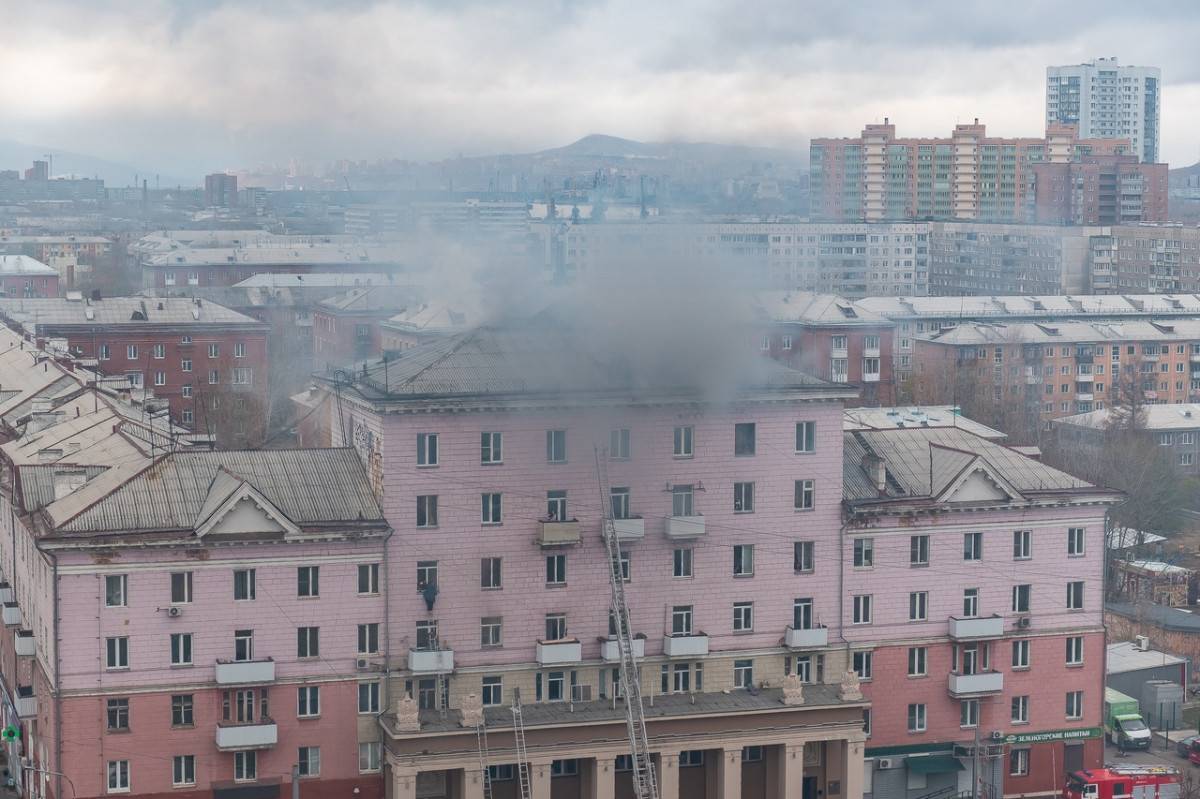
346,327
208,362
1100,190
22,276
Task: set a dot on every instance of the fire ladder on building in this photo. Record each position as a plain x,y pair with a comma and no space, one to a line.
645,786
485,770
522,756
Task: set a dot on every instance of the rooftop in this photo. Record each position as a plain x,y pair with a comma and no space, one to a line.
24,265
915,416
434,318
300,256
1051,306
1066,331
38,313
1164,616
804,307
369,298
1177,416
316,279
1125,656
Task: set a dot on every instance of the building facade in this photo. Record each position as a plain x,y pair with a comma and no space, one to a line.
1107,100
22,276
1174,427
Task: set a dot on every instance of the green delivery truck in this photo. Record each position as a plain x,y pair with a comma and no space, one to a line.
1123,723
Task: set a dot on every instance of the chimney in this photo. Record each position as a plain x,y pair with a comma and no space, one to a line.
874,466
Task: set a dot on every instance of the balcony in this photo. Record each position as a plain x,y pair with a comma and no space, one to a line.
675,646
870,377
1195,358
976,629
245,672
966,685
11,615
809,638
631,529
431,661
1085,396
610,651
685,526
555,653
870,352
6,592
1085,378
27,706
558,534
25,644
839,352
262,734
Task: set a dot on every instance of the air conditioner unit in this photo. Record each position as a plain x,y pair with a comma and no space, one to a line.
1141,643
997,735
362,664
581,693
1024,622
173,612
885,762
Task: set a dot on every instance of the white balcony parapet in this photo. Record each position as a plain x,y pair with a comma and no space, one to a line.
261,735
631,529
245,672
806,638
987,682
430,661
685,526
555,653
12,614
25,643
553,534
976,628
685,645
6,592
870,377
27,704
610,650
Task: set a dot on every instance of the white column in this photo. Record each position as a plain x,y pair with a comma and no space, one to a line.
404,783
539,779
731,773
791,771
472,782
668,775
604,784
852,769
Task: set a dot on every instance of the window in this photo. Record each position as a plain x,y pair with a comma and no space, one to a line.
183,770
802,613
619,497
308,582
839,342
491,508
118,776
427,574
1074,704
116,653
1020,598
556,506
918,606
786,342
917,661
556,570
743,497
555,682
867,721
918,550
490,631
308,642
116,590
681,563
427,449
681,620
243,376
864,552
243,645
368,638
427,510
1018,762
369,756
861,663
682,500
131,352
427,635
118,714
916,718
1020,654
500,773
368,578
690,758
187,393
556,446
743,674
564,768
805,495
368,697
160,378
245,766
1075,650
684,441
618,444
493,691
185,365
1075,595
1022,544
862,609
491,448
214,377
556,626
765,344
105,352
243,584
806,436
214,350
1075,541
802,556
181,649
972,546
1020,710
489,573
743,560
970,603
308,701
752,754
968,713
743,439
743,617
181,710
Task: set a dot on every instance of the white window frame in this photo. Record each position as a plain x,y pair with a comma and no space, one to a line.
119,778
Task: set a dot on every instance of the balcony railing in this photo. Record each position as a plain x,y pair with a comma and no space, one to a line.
685,645
555,534
431,661
806,638
630,529
6,592
870,377
25,643
685,526
12,615
986,682
554,653
610,650
975,629
27,705
245,672
261,734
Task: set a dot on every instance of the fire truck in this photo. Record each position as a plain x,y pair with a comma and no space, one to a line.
1135,782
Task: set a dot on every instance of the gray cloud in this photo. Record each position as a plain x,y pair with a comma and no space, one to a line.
208,84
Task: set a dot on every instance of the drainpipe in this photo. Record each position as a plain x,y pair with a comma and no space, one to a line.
58,764
385,694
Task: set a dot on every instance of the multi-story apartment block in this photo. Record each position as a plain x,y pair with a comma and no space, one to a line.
971,176
208,363
972,608
220,190
1175,428
226,266
972,259
346,326
22,276
1108,101
1160,259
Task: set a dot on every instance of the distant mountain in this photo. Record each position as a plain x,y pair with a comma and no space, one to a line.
599,145
20,156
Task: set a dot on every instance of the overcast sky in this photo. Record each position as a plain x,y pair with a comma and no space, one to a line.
201,85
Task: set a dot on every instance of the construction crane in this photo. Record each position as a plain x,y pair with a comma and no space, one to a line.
645,786
522,756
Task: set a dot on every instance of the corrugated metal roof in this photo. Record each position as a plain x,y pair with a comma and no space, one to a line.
37,483
1176,416
1066,332
806,307
24,265
120,311
309,486
915,416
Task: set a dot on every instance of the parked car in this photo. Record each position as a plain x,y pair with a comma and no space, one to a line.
1183,747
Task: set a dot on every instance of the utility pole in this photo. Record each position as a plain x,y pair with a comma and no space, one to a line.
975,766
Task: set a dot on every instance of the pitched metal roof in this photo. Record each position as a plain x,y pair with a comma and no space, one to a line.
1175,416
806,307
40,313
24,265
309,486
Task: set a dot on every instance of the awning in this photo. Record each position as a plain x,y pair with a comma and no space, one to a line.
933,764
